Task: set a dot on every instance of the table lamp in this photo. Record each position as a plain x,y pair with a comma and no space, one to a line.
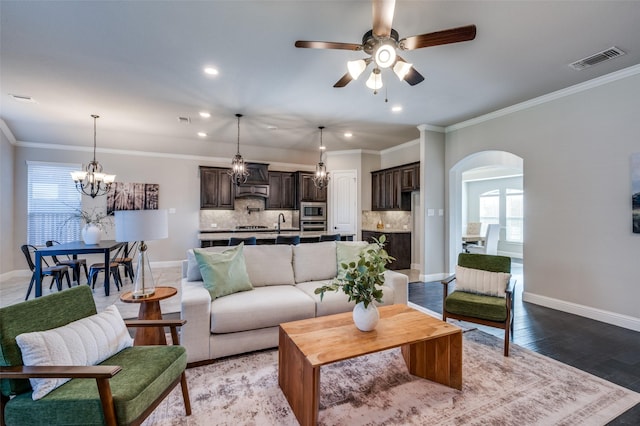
142,225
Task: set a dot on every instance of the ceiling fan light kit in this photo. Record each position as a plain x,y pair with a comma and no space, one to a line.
381,44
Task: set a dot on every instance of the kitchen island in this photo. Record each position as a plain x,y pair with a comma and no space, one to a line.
263,236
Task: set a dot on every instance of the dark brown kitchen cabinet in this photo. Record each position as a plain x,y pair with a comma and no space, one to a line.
282,191
307,191
398,245
391,188
410,177
216,189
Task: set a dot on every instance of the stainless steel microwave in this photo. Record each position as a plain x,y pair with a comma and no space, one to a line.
313,211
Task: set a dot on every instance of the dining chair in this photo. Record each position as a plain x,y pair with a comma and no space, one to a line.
473,228
55,272
126,259
288,239
74,264
114,270
490,245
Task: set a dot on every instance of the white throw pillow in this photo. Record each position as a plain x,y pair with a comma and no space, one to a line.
84,342
481,282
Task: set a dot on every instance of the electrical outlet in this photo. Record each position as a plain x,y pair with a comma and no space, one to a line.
214,225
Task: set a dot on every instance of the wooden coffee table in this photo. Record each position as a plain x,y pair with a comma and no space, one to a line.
431,348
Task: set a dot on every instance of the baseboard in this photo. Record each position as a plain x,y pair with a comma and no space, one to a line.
432,277
166,264
514,254
415,266
608,317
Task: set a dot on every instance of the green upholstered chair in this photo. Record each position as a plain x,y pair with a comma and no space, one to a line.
478,308
122,390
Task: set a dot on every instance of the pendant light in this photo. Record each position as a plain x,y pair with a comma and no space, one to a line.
238,172
321,178
91,181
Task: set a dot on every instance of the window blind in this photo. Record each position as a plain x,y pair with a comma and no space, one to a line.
53,203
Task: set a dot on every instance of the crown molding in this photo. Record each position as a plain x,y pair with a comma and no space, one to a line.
431,128
401,146
352,151
577,88
7,132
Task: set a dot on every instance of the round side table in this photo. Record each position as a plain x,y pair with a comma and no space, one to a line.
150,310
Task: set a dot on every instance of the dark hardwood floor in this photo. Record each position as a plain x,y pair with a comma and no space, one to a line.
604,350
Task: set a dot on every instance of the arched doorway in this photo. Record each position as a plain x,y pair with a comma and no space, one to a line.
476,171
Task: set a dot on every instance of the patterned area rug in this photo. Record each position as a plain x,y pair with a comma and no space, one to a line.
523,389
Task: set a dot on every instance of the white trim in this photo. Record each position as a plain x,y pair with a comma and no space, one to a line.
153,154
352,151
165,264
513,254
7,132
580,87
608,317
431,128
433,277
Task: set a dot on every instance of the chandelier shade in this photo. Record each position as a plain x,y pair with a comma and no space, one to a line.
321,177
92,181
238,171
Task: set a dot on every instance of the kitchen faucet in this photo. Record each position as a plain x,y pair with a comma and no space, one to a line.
281,215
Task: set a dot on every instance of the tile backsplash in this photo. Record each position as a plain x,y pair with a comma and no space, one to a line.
248,211
396,220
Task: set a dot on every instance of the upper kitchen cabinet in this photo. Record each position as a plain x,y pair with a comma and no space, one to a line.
216,189
391,188
410,177
282,191
307,191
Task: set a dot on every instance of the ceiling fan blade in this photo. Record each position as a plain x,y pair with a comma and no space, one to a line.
383,17
346,79
413,77
453,35
327,45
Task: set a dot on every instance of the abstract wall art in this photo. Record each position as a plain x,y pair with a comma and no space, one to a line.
132,196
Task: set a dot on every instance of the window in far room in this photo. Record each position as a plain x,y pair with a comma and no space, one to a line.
52,203
514,215
490,207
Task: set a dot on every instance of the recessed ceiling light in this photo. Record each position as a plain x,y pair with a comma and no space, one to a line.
396,108
348,134
205,114
211,71
202,134
22,98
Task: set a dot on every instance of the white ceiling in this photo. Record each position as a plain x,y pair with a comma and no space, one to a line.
138,64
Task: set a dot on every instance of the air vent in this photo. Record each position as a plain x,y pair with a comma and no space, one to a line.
22,98
184,120
605,55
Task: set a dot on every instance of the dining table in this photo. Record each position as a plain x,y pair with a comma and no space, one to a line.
73,249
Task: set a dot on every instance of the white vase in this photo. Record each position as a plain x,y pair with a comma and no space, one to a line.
91,234
367,318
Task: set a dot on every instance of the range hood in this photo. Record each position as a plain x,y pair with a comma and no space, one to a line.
257,184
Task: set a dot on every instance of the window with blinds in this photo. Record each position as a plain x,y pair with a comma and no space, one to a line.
53,203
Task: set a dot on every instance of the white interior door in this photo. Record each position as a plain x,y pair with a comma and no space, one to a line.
343,199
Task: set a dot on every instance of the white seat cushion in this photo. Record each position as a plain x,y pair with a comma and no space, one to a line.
337,302
260,308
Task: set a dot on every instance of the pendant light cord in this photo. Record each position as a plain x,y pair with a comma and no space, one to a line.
238,115
95,117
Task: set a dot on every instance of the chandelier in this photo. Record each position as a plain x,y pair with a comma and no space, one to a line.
91,181
321,178
238,172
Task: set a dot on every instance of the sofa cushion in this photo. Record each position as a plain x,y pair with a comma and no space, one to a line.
481,282
347,252
133,389
477,305
223,273
87,341
261,308
337,302
269,264
314,261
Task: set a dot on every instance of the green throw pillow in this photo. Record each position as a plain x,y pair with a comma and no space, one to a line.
347,252
223,273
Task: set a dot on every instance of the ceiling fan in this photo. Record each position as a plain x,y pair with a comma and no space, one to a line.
381,43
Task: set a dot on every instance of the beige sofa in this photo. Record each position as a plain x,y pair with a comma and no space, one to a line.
284,279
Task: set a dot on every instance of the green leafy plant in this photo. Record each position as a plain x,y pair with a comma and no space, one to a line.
363,279
98,218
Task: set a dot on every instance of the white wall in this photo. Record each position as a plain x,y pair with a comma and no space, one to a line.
8,249
580,253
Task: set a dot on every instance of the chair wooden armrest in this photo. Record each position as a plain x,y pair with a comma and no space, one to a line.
173,325
59,371
510,286
101,374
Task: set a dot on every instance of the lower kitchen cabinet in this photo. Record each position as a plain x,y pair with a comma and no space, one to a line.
398,245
